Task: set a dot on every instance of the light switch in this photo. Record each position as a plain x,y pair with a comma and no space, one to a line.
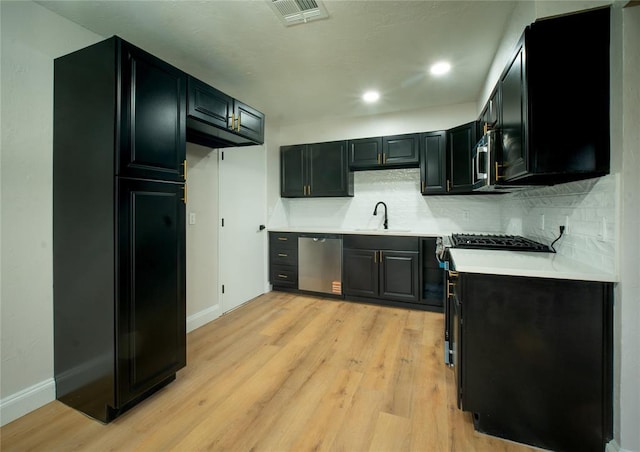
192,218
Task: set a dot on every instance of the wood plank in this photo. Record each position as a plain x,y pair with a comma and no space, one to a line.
287,372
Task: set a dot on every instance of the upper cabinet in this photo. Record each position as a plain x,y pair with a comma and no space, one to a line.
554,104
218,120
433,163
152,130
460,142
397,151
315,170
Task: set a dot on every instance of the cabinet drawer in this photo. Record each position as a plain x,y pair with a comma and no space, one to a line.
284,256
379,242
284,276
281,240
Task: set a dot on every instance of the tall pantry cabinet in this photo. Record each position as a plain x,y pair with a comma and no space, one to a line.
119,197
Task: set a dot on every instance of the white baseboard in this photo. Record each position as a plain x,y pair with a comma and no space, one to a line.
203,317
27,400
613,446
33,397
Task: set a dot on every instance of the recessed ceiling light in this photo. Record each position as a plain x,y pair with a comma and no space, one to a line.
440,68
371,96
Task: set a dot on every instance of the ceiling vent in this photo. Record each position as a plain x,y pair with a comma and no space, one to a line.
292,12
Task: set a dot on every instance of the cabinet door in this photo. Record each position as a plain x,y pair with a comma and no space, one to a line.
514,117
361,275
153,109
151,312
365,153
209,105
461,141
401,151
399,275
292,171
249,122
328,173
433,164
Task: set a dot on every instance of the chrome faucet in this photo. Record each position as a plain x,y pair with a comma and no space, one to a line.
375,212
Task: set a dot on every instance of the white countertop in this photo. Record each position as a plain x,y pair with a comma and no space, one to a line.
522,263
397,232
511,263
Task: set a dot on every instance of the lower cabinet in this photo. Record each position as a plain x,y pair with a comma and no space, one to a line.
283,260
381,267
534,359
119,295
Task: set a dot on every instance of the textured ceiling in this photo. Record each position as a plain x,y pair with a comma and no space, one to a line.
319,69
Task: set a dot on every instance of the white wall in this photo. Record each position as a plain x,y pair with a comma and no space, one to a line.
627,298
31,38
203,304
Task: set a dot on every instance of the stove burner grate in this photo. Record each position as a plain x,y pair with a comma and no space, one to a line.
497,242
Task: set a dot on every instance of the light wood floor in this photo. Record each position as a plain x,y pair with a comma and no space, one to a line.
287,372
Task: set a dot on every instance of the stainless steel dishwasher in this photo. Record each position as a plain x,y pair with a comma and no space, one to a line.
320,263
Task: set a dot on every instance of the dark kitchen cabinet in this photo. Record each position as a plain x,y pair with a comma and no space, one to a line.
283,260
118,227
433,163
217,120
152,134
365,153
385,268
397,151
490,116
460,143
151,272
555,101
315,170
535,359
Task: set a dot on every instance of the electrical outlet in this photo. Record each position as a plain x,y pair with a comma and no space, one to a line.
192,218
542,222
465,215
602,235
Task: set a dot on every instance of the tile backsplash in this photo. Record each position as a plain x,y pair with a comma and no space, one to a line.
408,209
589,208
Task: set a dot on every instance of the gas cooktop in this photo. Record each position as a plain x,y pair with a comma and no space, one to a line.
497,242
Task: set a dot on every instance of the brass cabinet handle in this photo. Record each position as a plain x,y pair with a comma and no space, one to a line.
449,286
384,159
282,276
233,120
375,257
238,129
497,175
423,186
378,159
184,195
184,174
448,185
282,255
283,238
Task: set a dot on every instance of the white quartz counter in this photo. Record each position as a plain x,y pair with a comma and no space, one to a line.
512,263
533,264
398,232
